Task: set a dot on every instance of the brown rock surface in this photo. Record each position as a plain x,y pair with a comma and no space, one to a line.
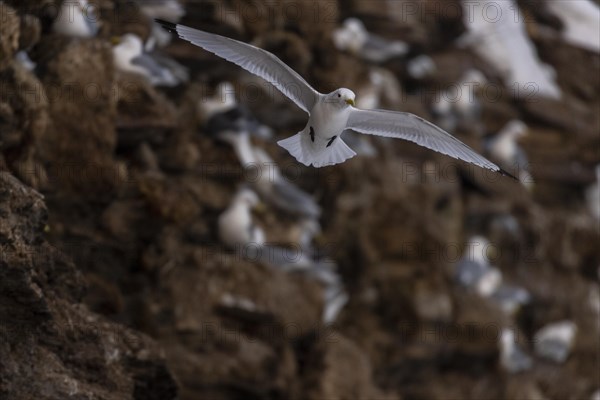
9,35
51,345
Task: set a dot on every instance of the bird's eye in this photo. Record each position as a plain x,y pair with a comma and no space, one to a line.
339,95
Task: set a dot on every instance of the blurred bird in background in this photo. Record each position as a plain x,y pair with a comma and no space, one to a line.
171,10
76,18
512,357
354,37
474,271
236,224
581,20
505,149
130,56
503,42
459,105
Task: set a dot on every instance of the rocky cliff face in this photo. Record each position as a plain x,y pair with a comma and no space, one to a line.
53,347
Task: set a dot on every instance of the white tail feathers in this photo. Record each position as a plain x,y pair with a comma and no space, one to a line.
337,153
295,147
317,154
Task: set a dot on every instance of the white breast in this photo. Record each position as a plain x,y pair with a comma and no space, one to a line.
328,119
235,227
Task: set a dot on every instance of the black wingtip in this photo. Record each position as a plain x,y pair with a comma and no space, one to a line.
169,26
503,172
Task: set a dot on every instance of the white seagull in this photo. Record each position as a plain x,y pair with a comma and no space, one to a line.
224,115
22,57
236,225
223,101
502,40
129,56
459,105
512,357
555,341
504,149
354,37
282,193
170,9
474,270
319,143
76,18
581,21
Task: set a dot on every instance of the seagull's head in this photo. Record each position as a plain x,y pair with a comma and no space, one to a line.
515,129
343,97
247,197
478,249
130,42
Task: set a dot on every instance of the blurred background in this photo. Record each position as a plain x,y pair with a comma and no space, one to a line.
157,243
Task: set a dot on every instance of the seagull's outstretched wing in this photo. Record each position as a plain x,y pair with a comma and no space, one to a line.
410,127
253,59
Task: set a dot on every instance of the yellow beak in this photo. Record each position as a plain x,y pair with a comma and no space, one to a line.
115,40
350,102
260,208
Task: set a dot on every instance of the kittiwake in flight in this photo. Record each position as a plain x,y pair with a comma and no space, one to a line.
319,144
